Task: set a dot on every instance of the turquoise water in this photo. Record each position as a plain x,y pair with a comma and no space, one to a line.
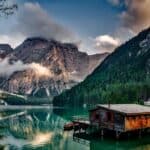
41,128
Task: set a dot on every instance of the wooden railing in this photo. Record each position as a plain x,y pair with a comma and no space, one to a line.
108,125
112,126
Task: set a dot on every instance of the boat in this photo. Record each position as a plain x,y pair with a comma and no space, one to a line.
69,126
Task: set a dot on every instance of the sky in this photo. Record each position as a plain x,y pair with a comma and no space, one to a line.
96,26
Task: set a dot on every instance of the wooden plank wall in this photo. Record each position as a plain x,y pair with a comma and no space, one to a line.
137,122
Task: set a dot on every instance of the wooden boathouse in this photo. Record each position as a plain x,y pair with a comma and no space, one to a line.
120,118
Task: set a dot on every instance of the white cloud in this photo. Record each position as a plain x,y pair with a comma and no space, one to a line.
32,20
11,39
7,68
106,43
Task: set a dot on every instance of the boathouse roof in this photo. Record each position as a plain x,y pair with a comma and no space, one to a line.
127,109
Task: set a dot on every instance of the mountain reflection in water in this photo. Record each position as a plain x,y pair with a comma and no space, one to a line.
42,129
34,129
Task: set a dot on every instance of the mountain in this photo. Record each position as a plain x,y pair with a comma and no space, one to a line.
48,67
5,49
123,77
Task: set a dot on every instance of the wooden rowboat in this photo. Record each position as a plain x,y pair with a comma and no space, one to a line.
69,126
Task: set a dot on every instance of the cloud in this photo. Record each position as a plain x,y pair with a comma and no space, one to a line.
10,68
114,2
137,15
106,43
134,16
11,39
39,70
33,20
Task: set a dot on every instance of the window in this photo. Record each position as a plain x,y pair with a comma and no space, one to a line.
119,119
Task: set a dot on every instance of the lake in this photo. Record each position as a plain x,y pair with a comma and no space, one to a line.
41,128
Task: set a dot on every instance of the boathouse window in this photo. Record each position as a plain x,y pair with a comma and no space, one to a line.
103,115
119,119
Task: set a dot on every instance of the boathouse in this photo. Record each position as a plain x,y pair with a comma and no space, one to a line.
120,117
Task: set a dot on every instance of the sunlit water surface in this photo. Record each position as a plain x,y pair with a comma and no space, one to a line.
41,128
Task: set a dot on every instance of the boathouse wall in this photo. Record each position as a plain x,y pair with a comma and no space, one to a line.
107,119
112,120
137,122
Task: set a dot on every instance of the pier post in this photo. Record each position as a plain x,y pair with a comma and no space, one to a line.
128,134
140,133
102,133
117,135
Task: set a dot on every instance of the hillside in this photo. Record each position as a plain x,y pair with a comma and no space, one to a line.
123,77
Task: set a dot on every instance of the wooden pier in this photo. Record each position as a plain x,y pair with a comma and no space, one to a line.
81,125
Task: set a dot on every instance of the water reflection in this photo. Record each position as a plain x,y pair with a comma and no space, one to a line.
143,144
34,129
41,138
42,129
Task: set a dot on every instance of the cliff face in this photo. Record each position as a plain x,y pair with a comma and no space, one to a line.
50,67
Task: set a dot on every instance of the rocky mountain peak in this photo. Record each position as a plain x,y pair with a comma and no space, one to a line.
64,63
5,49
36,39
